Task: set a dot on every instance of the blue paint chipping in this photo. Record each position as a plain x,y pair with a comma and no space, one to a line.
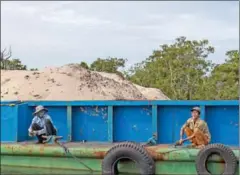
132,123
136,103
90,123
115,121
223,124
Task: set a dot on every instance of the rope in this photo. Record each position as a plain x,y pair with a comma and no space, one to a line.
182,148
66,150
174,146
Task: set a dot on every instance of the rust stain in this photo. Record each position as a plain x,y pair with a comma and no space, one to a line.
100,154
157,147
56,153
41,150
30,151
50,145
155,155
8,147
25,144
222,161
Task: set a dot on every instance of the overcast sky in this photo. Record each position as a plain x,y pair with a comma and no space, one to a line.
56,33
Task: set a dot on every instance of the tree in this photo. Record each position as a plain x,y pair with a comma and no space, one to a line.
5,56
32,69
10,64
16,64
223,82
177,69
84,65
110,65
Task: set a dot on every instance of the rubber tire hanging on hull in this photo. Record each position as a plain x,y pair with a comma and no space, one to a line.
225,152
128,150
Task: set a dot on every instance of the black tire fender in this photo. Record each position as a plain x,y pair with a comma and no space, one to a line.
225,152
128,150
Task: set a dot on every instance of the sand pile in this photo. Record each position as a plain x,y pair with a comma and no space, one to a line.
71,82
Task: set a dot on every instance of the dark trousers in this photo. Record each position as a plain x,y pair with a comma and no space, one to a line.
50,130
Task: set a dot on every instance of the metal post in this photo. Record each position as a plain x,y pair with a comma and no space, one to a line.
202,108
69,123
155,120
110,124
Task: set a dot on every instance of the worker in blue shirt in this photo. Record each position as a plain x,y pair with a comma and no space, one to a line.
42,124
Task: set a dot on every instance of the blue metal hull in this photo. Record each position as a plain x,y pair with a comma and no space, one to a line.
115,121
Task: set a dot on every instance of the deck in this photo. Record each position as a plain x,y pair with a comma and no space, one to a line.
28,156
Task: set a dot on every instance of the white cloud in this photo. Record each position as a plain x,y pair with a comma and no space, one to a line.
87,30
16,8
71,17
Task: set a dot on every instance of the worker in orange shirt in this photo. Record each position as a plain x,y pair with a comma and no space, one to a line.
196,130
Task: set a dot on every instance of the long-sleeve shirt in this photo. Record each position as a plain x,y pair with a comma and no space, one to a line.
41,122
199,124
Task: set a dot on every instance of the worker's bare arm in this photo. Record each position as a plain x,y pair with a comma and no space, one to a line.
186,124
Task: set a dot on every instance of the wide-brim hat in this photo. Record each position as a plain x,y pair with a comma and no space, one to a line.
39,109
196,109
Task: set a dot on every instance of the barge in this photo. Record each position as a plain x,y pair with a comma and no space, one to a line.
90,130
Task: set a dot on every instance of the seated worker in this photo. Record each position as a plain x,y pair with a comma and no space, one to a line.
196,130
42,124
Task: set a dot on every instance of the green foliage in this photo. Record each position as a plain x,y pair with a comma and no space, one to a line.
84,65
10,64
33,69
224,80
181,70
110,65
177,69
15,64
